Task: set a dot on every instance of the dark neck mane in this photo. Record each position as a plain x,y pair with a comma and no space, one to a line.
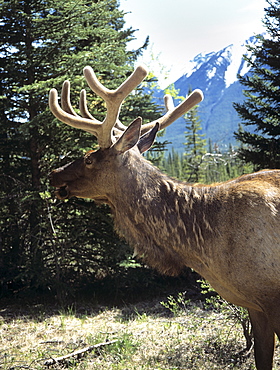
162,218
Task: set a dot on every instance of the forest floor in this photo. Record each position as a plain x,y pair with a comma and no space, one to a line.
144,336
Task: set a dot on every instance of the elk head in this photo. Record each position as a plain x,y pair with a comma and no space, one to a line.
94,175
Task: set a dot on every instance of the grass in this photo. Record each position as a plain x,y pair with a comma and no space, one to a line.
148,336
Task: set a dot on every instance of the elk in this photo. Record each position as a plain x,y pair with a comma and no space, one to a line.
228,232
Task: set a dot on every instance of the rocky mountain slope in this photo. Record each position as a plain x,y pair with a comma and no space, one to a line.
216,75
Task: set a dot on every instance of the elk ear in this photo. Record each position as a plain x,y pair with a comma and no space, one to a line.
130,137
147,140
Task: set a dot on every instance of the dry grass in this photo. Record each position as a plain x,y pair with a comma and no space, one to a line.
148,337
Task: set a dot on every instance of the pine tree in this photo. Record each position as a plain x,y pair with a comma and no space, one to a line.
43,43
261,108
194,148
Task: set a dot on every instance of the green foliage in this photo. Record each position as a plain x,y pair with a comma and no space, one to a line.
221,166
201,164
177,304
214,166
260,111
195,147
171,90
213,301
47,244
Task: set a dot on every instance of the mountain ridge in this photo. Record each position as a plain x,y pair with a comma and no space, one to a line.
215,73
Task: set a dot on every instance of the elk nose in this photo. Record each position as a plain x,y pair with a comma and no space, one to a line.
53,178
62,193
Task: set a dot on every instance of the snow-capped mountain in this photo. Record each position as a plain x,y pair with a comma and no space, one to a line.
215,74
230,56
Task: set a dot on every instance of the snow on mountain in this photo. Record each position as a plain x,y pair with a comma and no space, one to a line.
235,57
196,63
231,56
215,74
237,64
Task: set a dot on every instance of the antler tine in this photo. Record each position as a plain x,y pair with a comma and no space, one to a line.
113,96
168,102
113,99
65,98
85,113
92,125
174,113
83,105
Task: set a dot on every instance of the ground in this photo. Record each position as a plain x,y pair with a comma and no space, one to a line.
148,336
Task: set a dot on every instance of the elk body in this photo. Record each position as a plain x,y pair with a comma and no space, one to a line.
228,232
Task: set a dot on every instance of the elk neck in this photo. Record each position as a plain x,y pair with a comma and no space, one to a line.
166,221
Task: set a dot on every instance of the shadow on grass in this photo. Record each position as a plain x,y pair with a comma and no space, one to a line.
125,292
210,355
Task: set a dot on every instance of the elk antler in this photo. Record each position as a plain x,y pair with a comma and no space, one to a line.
113,98
174,113
105,131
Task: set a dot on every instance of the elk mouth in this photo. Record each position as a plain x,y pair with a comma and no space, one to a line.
62,192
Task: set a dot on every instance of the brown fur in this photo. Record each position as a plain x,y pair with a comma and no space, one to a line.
228,232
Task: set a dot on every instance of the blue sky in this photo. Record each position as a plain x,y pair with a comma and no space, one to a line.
181,29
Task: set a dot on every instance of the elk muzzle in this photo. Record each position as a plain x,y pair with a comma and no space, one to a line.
64,177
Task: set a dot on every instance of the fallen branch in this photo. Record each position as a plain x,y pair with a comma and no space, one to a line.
78,353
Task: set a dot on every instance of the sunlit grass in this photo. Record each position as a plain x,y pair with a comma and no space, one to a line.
147,336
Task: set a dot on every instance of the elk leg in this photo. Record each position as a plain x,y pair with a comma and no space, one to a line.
264,340
273,312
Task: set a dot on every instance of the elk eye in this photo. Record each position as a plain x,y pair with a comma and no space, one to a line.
88,160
